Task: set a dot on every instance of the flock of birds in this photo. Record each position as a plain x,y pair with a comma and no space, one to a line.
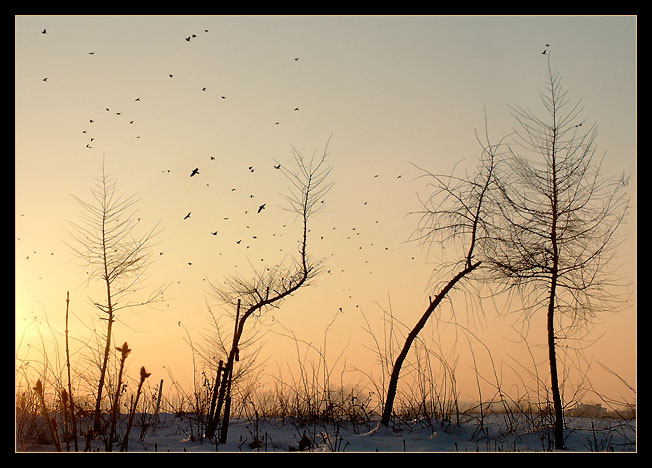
195,172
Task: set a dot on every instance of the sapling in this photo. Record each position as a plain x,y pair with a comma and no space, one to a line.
125,440
64,404
51,423
124,351
70,399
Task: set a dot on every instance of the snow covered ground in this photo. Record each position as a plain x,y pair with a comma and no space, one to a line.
499,433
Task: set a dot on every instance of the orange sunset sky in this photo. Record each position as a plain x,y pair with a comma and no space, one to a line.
390,92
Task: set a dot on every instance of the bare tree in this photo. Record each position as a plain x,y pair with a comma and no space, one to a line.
105,241
268,287
559,219
455,212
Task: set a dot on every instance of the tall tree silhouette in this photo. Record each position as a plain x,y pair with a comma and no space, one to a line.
105,240
559,218
268,287
455,211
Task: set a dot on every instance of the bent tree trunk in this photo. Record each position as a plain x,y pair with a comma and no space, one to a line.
393,382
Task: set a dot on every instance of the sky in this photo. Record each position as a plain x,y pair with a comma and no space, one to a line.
382,94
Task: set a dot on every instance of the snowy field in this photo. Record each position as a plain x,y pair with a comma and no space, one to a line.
498,433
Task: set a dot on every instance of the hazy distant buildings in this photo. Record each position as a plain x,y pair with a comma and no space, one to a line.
588,411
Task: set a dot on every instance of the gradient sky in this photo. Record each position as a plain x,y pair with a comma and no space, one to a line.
392,91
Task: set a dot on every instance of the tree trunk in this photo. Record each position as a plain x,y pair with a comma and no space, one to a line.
105,359
211,411
554,380
227,372
393,382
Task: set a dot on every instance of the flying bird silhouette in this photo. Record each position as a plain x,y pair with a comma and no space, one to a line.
188,215
261,207
543,52
214,233
194,171
278,166
44,32
45,79
296,59
137,99
91,53
171,76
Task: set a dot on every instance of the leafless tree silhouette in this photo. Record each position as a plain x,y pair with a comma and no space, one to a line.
105,241
455,212
558,219
268,287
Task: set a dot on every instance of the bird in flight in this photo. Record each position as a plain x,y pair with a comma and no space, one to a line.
543,52
44,32
188,215
261,207
171,76
296,108
251,168
45,79
194,171
278,166
91,53
296,59
214,233
137,99
203,89
212,158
